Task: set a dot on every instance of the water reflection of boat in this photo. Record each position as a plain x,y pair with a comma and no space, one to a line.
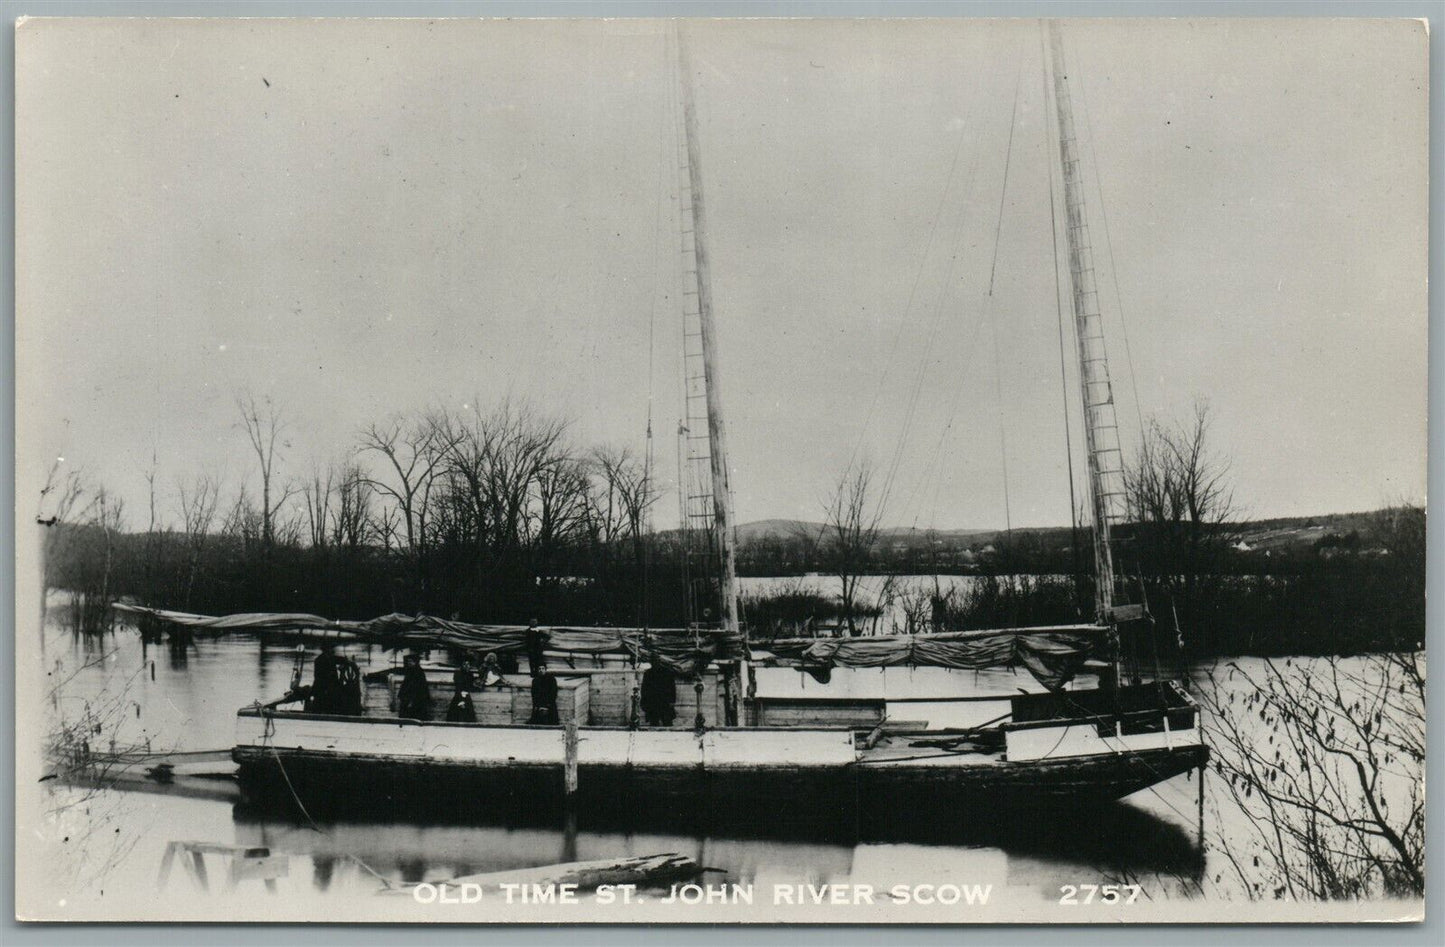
1117,838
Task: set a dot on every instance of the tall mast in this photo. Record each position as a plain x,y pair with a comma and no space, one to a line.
1101,425
697,289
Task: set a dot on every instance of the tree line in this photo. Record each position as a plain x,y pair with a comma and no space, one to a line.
501,514
489,513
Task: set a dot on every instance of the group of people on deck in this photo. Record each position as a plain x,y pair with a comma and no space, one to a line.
337,686
414,695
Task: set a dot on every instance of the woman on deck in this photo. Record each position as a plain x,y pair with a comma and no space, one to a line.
413,698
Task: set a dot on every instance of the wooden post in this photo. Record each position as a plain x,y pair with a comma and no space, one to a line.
166,861
1203,768
569,770
198,870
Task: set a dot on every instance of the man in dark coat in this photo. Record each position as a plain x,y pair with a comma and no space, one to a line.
413,698
326,695
348,678
658,695
544,697
536,644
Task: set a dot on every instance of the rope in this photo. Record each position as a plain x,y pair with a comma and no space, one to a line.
1109,245
913,290
266,736
1059,310
930,347
992,321
665,114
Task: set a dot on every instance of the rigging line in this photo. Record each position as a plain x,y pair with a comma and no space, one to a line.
1109,244
645,525
938,312
936,457
1002,435
1059,309
913,291
992,311
937,321
1007,161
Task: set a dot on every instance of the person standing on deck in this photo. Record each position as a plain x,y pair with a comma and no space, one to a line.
348,679
413,697
658,695
544,697
326,691
536,645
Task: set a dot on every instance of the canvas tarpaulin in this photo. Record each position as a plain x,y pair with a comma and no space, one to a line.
1052,654
679,649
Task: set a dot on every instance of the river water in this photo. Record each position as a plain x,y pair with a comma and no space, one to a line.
184,697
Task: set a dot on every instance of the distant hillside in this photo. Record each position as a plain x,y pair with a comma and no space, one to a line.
1285,537
788,529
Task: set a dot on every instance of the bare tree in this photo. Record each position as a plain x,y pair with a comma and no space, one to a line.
1180,504
94,587
316,499
263,426
59,498
198,504
496,459
849,535
242,521
559,511
351,514
621,494
1325,758
413,453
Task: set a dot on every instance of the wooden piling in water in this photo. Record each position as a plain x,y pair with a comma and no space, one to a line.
1202,770
569,772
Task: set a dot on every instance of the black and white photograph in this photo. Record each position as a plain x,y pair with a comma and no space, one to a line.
681,470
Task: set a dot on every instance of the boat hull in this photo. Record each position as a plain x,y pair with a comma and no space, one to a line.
398,765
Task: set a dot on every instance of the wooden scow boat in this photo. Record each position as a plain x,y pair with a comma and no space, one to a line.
753,724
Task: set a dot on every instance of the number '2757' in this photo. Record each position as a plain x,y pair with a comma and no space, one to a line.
1098,894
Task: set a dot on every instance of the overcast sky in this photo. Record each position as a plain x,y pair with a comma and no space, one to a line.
359,218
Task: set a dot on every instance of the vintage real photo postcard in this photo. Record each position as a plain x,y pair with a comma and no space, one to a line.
770,470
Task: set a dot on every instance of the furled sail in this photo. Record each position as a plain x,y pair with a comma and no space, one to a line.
1053,654
681,649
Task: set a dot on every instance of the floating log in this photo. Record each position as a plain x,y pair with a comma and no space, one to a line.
639,870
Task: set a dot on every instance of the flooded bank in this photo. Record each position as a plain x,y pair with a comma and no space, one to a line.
182,695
